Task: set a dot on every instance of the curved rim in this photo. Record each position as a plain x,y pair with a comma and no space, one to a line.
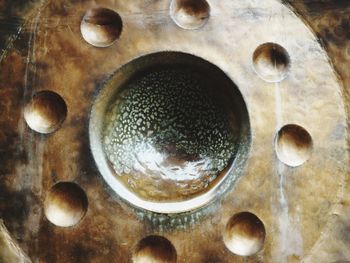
270,79
95,131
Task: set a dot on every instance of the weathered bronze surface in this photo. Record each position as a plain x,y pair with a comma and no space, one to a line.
305,209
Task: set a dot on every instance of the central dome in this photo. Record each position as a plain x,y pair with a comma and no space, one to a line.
167,136
169,132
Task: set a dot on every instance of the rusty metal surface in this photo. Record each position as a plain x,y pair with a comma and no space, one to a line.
43,50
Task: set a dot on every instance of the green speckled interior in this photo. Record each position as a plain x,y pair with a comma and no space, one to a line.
170,126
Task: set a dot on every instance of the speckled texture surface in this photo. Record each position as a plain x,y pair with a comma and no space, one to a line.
305,210
164,128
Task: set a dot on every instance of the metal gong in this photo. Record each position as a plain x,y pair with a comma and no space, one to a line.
151,131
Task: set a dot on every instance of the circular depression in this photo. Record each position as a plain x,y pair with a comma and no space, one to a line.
169,132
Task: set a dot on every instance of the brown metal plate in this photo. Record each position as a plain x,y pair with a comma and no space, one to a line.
304,208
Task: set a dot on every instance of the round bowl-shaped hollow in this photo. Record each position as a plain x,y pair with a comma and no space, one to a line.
154,249
101,27
244,234
45,112
271,62
65,204
293,145
190,14
169,132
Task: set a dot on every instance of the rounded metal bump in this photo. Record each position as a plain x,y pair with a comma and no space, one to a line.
271,62
154,249
101,27
45,112
190,14
169,131
65,204
293,145
244,234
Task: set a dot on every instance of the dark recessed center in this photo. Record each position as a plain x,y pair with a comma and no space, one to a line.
170,127
166,135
